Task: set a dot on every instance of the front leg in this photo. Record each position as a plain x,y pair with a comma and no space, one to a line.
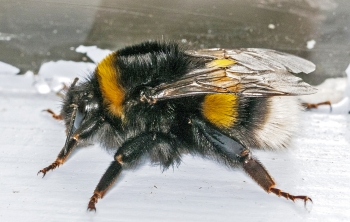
54,115
62,156
83,132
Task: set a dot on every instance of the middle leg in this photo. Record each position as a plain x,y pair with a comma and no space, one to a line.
129,154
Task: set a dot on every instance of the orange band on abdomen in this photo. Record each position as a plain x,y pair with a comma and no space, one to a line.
221,109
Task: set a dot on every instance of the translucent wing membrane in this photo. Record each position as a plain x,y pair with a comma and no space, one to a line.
259,59
249,72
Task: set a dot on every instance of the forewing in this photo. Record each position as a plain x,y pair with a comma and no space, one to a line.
257,59
248,72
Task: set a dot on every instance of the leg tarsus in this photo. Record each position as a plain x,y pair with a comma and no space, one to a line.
62,156
257,171
54,115
54,165
316,105
286,195
93,201
107,180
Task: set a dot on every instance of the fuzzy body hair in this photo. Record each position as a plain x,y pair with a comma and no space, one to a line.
158,101
281,123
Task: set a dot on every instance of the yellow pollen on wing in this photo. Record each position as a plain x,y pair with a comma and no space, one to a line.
221,63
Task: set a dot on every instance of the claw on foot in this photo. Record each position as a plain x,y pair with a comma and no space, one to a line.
51,167
43,171
93,201
279,193
91,206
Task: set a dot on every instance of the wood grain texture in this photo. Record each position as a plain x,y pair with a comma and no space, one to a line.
317,165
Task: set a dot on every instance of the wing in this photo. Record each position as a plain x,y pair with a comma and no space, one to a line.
249,72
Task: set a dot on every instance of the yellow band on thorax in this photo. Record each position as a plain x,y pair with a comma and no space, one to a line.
109,80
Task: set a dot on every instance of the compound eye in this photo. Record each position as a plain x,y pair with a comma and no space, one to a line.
81,112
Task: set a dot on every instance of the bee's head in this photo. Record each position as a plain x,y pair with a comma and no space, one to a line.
80,103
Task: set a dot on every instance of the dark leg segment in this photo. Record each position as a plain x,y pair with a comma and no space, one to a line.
105,183
128,154
233,154
83,132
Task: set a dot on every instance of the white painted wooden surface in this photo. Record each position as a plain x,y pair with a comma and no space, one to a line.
317,164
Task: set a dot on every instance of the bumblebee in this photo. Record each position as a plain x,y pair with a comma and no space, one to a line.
159,101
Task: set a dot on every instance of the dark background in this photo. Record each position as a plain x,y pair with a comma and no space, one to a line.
33,32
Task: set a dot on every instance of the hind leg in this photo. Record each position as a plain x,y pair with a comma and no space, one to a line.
262,177
316,105
234,154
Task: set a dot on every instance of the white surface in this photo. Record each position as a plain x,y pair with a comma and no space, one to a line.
53,75
334,90
317,164
8,69
94,53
